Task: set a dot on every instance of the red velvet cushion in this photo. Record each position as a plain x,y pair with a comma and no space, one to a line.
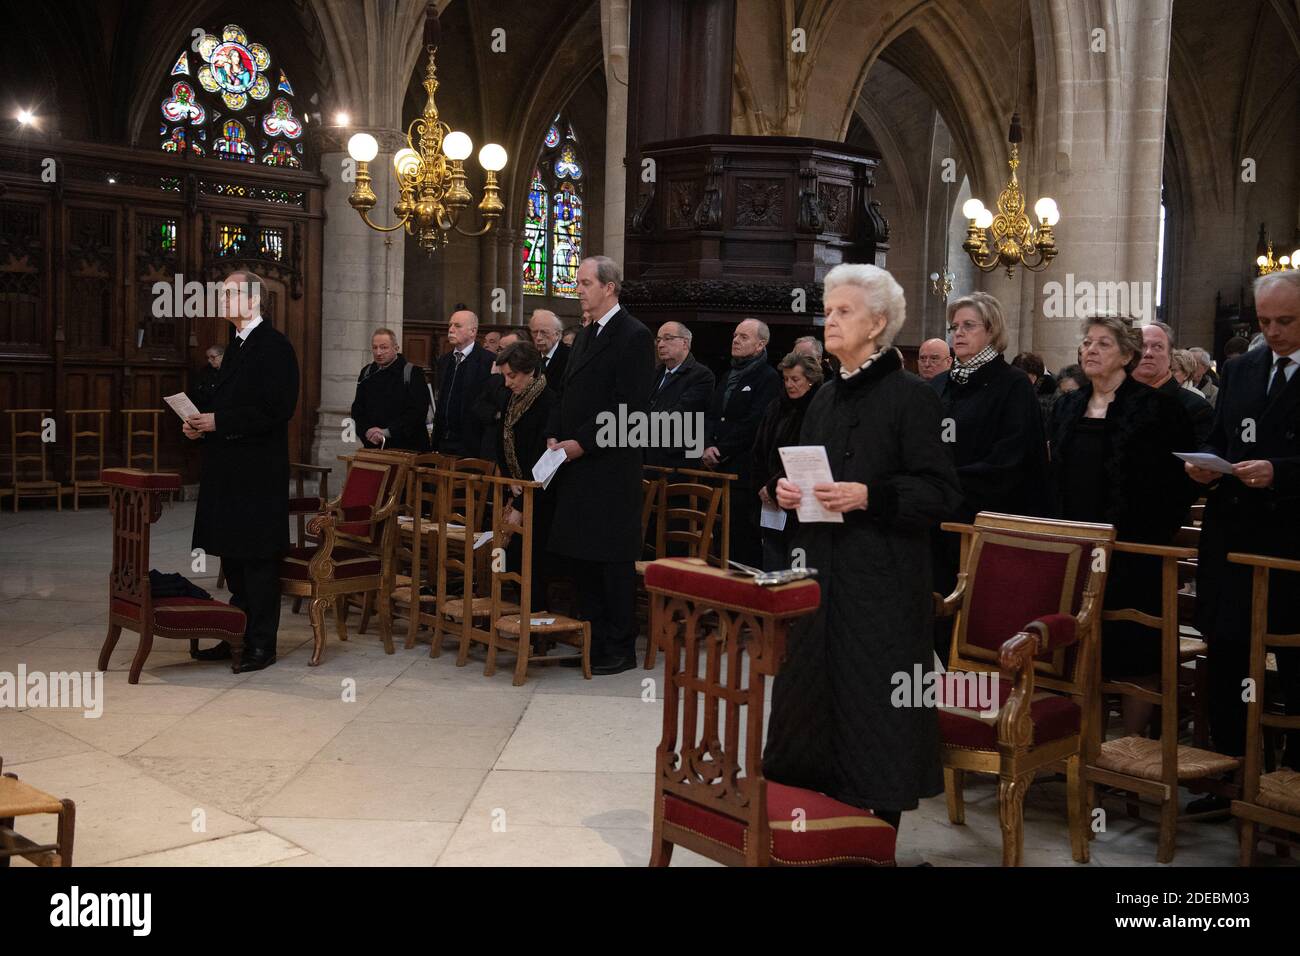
145,480
363,488
693,578
348,563
961,724
305,506
181,615
832,832
1016,583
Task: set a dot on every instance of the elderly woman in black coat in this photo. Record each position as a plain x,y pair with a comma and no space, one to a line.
1112,444
832,727
993,428
520,440
802,376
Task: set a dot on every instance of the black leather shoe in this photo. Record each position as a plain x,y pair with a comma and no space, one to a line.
1210,803
219,653
616,666
254,661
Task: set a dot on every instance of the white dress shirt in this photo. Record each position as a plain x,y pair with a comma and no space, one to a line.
243,333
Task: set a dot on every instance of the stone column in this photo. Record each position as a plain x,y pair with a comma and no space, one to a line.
503,262
514,276
487,260
1101,149
614,19
361,287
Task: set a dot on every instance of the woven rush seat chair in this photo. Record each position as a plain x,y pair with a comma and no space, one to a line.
18,799
723,636
1142,765
135,501
1028,608
1269,807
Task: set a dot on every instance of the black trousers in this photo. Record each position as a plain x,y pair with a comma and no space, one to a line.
255,590
1229,663
607,597
746,533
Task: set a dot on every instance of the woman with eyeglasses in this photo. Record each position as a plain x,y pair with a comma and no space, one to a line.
992,429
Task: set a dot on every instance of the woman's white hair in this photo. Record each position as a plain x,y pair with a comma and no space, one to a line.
880,291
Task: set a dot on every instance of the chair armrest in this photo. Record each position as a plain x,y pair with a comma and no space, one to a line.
1016,660
1054,631
316,470
947,606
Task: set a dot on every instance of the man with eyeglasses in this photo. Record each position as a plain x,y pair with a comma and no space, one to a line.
681,385
933,358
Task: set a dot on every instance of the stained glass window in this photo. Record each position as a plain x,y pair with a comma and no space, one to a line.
228,74
553,221
232,240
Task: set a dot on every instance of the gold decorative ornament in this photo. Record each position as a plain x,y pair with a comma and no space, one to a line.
430,170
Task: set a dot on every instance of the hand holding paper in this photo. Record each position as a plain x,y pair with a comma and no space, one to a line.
546,467
807,466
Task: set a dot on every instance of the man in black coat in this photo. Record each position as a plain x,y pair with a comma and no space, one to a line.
462,374
1255,510
392,400
739,402
546,328
243,508
1154,370
597,523
681,385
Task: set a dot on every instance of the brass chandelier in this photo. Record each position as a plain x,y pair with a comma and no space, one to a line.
1009,239
1265,263
430,170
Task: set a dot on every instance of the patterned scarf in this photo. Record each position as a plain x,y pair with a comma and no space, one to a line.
515,410
846,374
962,371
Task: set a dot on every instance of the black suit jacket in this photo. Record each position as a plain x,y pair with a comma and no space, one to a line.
1198,410
243,506
1248,426
555,369
688,390
598,496
474,374
733,425
388,398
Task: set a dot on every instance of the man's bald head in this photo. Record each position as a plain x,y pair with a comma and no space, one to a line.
462,328
933,358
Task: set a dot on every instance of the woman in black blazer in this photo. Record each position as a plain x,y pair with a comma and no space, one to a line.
1112,444
520,440
993,429
802,376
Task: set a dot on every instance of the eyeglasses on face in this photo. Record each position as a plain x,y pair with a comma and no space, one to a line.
965,327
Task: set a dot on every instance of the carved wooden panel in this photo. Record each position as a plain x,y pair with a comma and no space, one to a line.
835,202
683,198
91,263
160,328
760,203
22,283
26,387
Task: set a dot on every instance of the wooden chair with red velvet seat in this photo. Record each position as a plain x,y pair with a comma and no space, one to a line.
1028,608
407,459
303,506
355,532
135,501
1269,807
723,636
1144,766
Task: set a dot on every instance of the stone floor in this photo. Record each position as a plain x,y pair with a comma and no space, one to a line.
431,764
